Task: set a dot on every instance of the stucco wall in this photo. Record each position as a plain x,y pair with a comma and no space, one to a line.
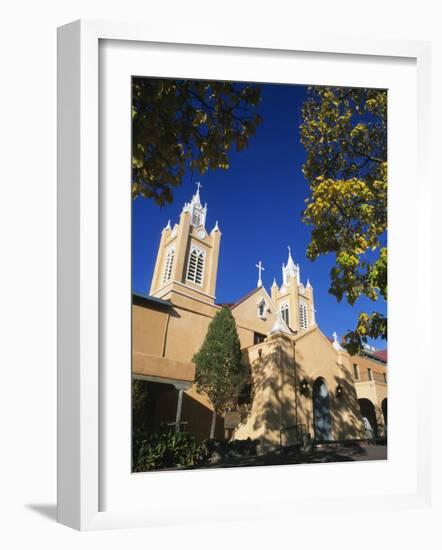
148,329
375,390
278,366
246,313
316,358
273,391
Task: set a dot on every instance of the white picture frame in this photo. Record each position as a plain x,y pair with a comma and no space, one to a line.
79,274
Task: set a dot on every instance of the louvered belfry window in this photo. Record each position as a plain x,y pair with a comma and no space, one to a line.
303,316
167,274
196,218
195,267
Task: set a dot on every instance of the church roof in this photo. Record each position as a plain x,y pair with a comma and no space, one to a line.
147,299
380,355
232,305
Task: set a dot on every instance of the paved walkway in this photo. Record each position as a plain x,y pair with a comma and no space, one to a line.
323,454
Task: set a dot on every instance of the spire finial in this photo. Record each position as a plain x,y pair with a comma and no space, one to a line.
168,225
274,282
260,268
290,266
198,185
336,344
196,198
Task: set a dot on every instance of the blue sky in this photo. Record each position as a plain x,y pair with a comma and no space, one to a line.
258,203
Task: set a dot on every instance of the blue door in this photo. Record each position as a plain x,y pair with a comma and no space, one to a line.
321,411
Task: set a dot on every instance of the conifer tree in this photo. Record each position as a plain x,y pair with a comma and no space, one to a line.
219,371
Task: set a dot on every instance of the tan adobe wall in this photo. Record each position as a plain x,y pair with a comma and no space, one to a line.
273,392
316,358
375,390
278,366
246,314
148,330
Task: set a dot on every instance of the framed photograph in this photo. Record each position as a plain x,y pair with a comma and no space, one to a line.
192,363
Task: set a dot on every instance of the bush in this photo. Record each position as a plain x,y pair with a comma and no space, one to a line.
216,449
165,449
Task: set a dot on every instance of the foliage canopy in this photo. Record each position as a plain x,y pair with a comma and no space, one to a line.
344,132
180,124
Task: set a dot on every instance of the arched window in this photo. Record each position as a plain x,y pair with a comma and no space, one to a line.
262,309
303,319
167,274
285,312
195,267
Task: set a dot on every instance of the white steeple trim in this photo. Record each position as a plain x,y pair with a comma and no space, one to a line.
260,268
280,325
336,344
290,270
308,284
290,262
168,225
216,228
196,210
274,283
197,194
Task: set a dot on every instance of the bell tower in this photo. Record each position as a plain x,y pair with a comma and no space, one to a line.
187,258
293,300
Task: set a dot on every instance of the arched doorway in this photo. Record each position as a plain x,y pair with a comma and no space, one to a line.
321,411
384,412
369,414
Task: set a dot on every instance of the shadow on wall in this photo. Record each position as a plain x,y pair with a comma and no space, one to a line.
273,394
160,407
346,415
199,418
283,397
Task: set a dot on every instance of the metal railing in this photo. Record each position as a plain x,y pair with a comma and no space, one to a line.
293,435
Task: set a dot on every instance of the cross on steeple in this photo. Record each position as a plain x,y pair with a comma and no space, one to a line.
198,185
260,268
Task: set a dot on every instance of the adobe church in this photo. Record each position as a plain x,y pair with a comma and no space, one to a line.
303,384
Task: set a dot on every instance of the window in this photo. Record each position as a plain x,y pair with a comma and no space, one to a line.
285,312
196,218
258,338
356,371
167,274
195,267
303,320
262,309
370,374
